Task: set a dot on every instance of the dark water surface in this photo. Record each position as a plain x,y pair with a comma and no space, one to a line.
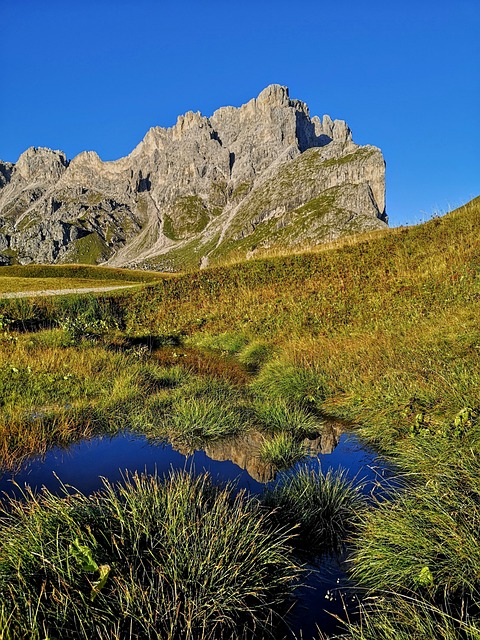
84,464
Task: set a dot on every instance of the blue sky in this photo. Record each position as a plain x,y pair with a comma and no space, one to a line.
79,75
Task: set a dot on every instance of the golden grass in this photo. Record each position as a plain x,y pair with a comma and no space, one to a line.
13,284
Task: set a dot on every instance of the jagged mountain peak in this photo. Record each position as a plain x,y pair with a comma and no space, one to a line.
246,178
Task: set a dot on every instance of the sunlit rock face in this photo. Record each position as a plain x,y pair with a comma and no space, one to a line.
246,179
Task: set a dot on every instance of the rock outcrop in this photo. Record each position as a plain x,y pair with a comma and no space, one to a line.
246,179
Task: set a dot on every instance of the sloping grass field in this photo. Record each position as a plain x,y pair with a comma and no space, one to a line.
383,332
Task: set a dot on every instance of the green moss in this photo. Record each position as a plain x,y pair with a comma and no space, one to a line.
217,197
12,255
168,228
27,223
359,154
241,190
94,198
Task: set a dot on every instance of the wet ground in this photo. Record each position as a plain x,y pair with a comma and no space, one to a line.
83,465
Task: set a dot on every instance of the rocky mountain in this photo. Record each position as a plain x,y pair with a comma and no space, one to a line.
260,176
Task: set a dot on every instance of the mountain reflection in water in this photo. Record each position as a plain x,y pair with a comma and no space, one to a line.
245,451
83,464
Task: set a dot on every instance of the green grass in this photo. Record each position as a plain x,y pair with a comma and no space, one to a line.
179,559
54,277
325,507
256,353
408,618
90,249
80,271
286,381
282,450
282,417
194,421
381,331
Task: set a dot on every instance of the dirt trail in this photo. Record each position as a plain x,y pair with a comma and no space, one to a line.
62,292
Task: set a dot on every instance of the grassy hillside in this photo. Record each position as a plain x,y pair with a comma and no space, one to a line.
382,332
392,320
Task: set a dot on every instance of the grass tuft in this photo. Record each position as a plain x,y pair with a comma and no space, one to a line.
178,559
194,420
280,416
325,507
291,383
282,450
255,354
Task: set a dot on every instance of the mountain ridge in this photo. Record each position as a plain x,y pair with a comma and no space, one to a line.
245,179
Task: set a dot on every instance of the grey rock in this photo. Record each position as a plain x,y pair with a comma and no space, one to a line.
261,175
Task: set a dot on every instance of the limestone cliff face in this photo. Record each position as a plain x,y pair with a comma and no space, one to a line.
263,175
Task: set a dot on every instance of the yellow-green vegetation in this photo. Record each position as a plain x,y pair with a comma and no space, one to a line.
282,450
382,332
190,215
14,285
325,508
48,277
179,559
252,229
89,249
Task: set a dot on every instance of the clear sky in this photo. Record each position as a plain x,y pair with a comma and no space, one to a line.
405,75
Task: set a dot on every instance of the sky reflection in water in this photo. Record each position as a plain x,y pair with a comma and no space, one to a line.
83,465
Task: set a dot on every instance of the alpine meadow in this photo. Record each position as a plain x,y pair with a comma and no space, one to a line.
230,294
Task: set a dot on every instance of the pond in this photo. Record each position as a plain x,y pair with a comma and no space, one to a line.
83,464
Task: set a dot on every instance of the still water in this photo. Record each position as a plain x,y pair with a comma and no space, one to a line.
83,465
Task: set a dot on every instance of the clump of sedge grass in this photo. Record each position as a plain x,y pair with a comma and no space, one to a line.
152,378
404,617
255,354
426,539
324,506
282,380
229,342
280,416
179,559
282,450
194,420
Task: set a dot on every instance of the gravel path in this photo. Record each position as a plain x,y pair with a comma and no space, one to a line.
62,292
